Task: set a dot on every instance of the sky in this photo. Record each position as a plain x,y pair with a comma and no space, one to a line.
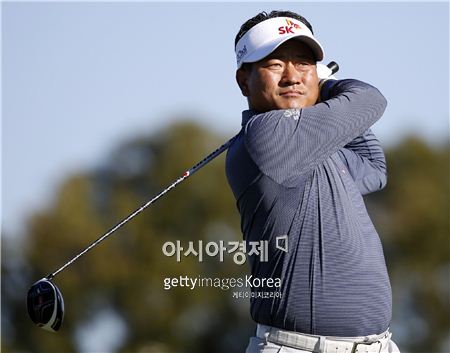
80,78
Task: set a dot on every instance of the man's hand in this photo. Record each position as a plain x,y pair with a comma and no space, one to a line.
324,73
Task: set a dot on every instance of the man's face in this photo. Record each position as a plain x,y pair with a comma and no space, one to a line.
285,79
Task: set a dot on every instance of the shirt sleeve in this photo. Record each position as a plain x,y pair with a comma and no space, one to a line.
285,144
365,162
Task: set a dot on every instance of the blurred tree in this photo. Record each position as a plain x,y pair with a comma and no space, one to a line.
412,215
117,290
125,273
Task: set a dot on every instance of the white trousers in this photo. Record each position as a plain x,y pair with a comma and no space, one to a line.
260,344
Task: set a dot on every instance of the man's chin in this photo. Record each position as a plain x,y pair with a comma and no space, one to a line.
295,104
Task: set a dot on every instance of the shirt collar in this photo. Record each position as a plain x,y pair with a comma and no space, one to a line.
247,115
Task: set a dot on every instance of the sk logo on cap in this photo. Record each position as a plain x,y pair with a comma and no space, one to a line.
289,28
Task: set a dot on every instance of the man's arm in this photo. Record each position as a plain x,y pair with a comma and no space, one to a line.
287,143
365,161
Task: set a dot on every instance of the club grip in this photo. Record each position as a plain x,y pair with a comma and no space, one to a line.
333,66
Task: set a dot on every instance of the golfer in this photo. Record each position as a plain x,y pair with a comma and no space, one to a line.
299,167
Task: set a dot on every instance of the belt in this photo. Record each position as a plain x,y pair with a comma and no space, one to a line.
324,344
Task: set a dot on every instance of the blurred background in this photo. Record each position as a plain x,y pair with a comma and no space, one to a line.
104,104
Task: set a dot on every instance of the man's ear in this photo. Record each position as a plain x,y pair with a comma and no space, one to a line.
242,80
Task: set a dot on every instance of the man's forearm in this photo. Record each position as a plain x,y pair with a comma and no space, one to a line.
368,147
365,160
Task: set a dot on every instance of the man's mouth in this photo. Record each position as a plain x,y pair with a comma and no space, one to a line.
291,93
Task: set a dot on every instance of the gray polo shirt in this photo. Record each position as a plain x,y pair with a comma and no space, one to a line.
302,173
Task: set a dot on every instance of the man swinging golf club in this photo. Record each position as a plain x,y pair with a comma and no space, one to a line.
299,167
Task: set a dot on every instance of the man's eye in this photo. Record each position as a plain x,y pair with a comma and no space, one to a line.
303,64
274,64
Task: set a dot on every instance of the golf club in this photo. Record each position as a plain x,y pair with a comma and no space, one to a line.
45,303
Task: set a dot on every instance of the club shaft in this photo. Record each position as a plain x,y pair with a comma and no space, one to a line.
185,175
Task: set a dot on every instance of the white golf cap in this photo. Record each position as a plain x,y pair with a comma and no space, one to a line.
268,35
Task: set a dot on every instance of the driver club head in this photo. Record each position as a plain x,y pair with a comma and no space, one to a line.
45,305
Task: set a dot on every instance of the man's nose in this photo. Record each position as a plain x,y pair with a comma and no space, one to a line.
291,76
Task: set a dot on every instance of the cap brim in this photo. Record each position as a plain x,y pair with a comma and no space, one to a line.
271,46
